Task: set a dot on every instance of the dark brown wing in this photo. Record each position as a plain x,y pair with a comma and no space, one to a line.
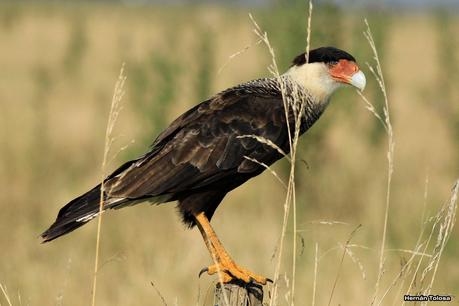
200,157
203,148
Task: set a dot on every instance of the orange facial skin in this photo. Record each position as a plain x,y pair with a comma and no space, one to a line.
343,71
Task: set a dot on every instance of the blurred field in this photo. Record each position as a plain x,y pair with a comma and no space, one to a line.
58,68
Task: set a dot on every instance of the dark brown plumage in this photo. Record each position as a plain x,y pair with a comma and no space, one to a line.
197,160
201,156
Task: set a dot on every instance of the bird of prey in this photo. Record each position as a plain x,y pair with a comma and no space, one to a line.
215,147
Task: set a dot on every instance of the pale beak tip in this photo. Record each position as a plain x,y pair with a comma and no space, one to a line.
358,80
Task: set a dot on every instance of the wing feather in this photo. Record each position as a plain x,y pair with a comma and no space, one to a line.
202,147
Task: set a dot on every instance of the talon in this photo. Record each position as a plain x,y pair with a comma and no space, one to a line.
261,281
269,280
232,272
206,269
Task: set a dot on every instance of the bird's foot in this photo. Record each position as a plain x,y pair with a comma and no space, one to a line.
231,272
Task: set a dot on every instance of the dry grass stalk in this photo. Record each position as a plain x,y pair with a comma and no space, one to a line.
417,253
163,300
115,109
266,142
386,122
274,173
444,222
328,222
316,266
446,218
355,259
5,294
407,266
341,262
274,70
370,107
293,146
292,103
405,270
427,242
236,54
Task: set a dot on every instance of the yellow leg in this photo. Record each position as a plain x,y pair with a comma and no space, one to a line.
224,265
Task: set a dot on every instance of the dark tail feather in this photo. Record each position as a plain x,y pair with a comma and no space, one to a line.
77,209
81,209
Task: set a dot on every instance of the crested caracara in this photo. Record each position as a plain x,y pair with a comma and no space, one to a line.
204,153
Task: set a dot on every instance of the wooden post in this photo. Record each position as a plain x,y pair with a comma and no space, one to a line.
239,294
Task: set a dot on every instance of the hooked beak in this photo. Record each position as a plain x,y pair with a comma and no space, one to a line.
358,80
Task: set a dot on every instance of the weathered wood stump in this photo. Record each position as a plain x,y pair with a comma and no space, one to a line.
238,294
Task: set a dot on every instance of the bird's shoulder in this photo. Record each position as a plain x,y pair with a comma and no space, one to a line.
246,101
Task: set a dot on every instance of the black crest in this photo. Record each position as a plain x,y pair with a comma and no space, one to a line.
323,55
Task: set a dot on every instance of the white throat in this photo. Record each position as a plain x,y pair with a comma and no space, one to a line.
316,79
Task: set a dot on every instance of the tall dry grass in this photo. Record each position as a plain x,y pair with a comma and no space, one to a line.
115,109
387,124
296,104
6,295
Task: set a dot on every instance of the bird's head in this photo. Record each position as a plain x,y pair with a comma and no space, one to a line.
326,70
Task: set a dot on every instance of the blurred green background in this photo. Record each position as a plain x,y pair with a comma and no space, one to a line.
58,66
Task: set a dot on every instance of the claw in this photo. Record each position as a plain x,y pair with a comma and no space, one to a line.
253,281
231,272
206,269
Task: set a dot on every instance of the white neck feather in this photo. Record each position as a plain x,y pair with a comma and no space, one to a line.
316,79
